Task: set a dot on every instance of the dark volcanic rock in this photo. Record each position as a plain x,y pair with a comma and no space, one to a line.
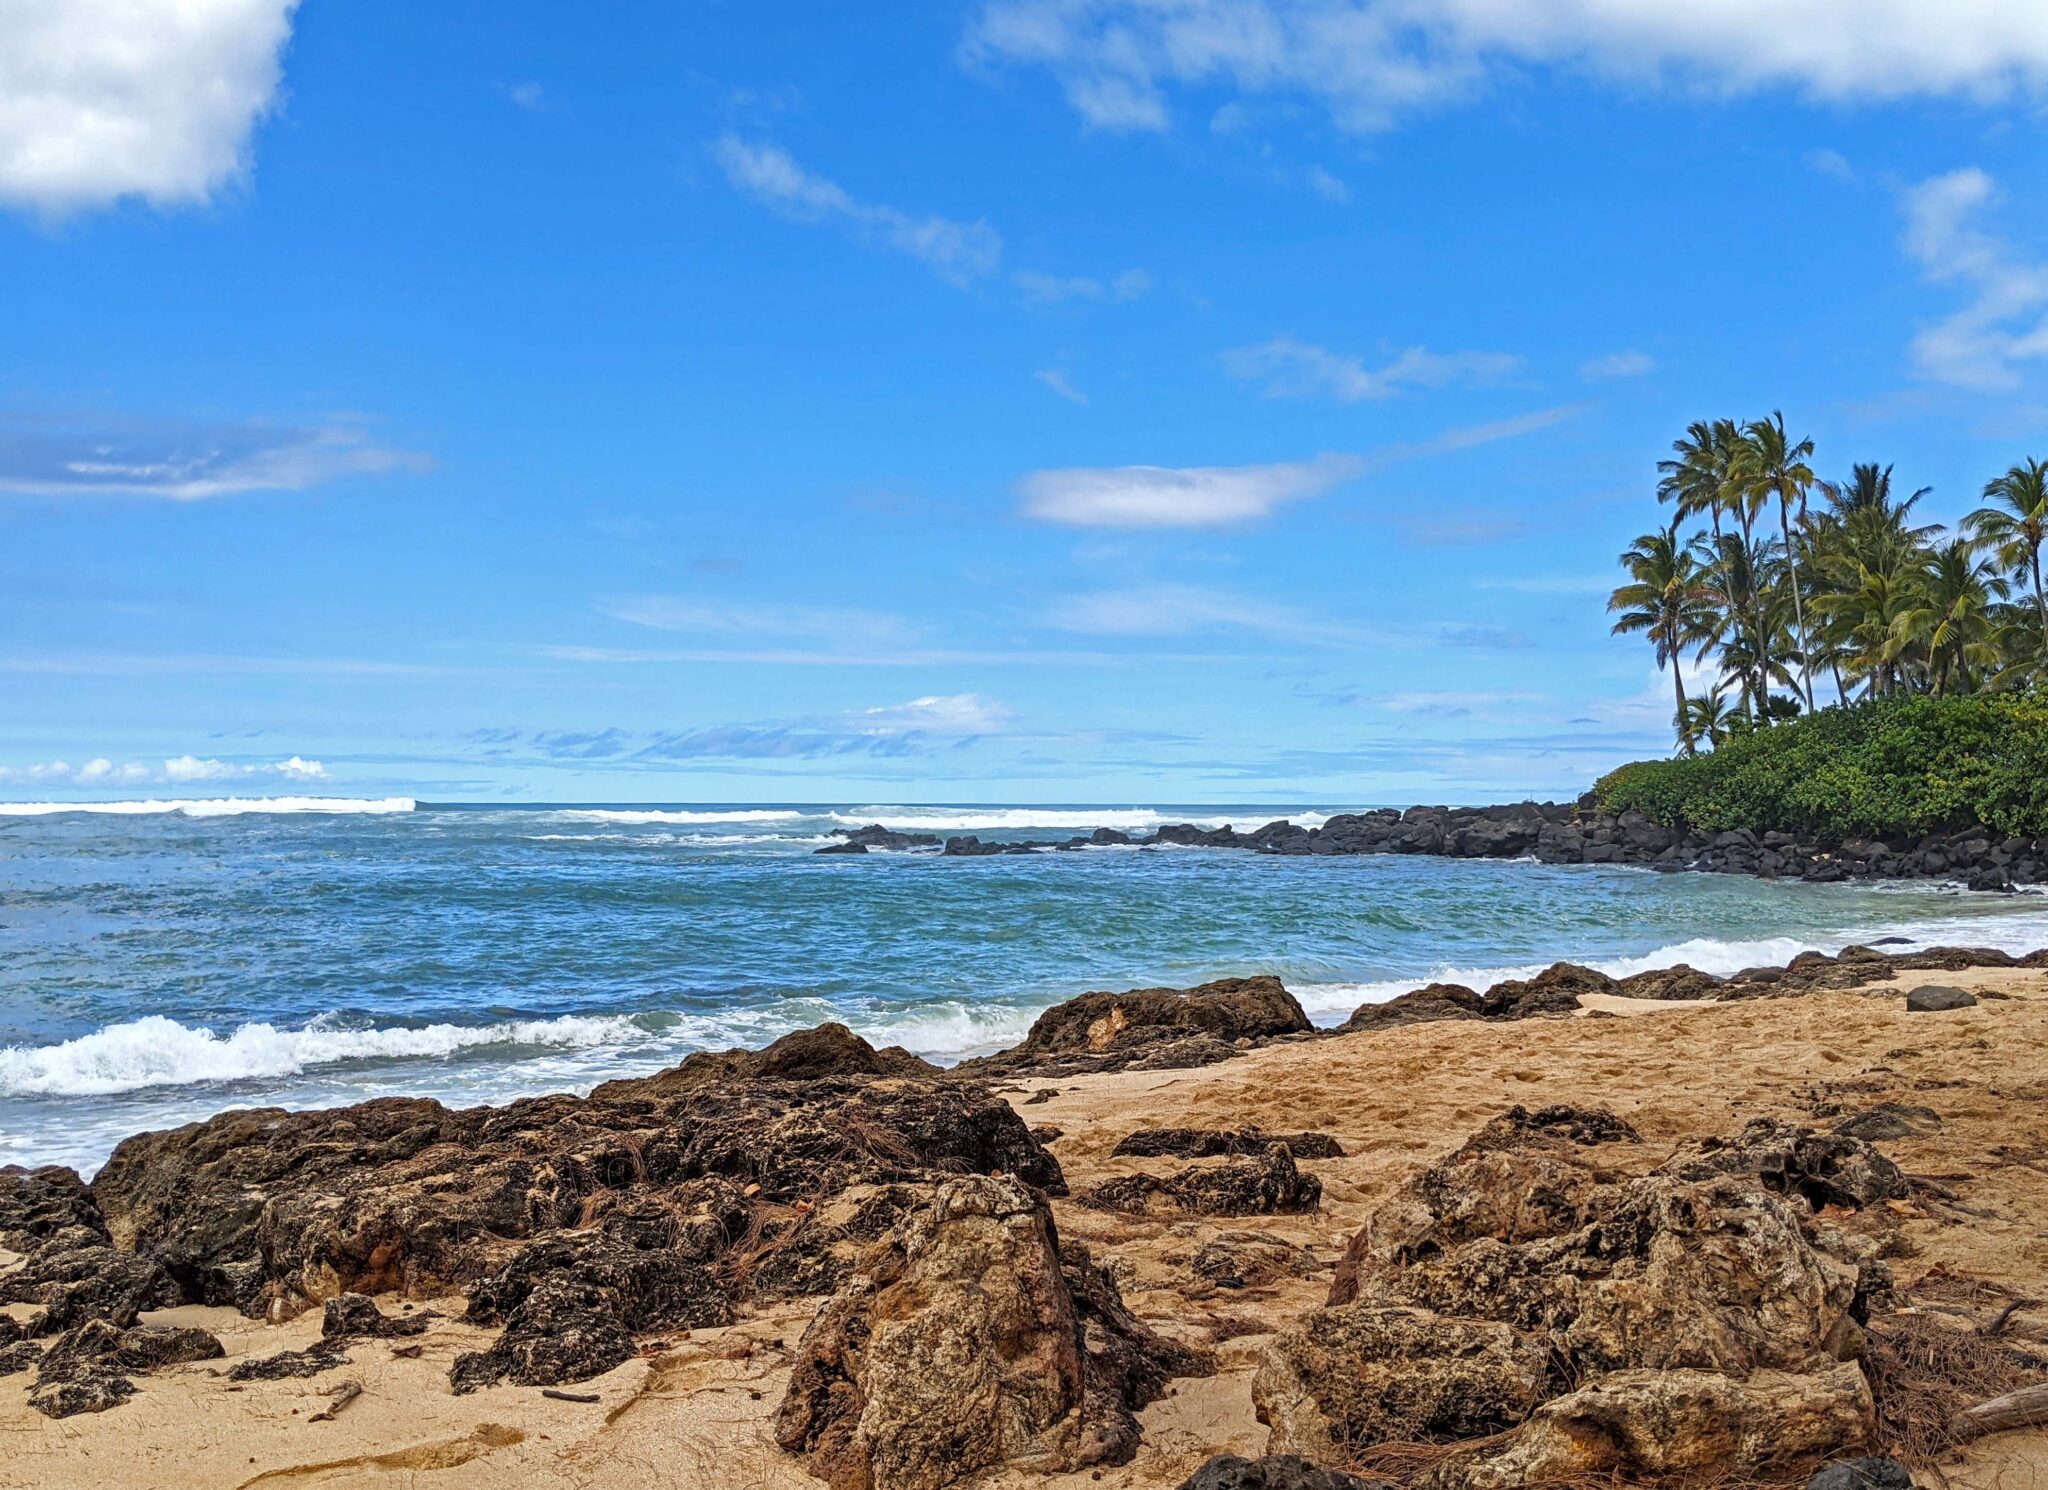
1418,1006
351,1316
801,1055
49,1207
1863,1474
1822,1169
321,1355
875,836
1555,990
1211,1143
93,1390
1267,1185
88,1283
1933,998
1677,982
1161,1028
1246,1259
573,1223
1273,1472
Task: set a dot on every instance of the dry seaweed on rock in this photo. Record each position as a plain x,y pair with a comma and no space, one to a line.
1211,1143
1695,1320
1267,1185
321,1355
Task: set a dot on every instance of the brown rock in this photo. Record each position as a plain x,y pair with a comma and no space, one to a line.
1555,990
1418,1006
1364,1374
1114,1031
960,1346
1646,1425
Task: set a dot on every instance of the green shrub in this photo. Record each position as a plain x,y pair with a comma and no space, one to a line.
1890,768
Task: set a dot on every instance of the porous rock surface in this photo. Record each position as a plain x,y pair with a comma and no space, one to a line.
573,1223
1595,1322
1150,1029
969,1339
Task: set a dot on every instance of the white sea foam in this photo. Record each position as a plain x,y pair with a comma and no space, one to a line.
156,1051
678,815
1025,819
214,806
2011,933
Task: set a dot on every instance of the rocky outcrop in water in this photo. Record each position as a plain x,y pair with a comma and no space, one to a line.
1586,1323
1571,833
969,1339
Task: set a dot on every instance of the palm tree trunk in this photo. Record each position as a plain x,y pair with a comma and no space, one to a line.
1798,606
2040,600
1678,687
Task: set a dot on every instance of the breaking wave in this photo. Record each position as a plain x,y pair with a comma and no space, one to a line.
1080,819
157,1051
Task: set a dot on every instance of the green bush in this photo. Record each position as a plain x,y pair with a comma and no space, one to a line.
1886,769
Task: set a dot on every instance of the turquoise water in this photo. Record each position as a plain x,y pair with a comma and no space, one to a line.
157,966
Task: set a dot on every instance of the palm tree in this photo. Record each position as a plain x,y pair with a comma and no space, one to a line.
1774,467
1665,599
1708,717
1949,622
2016,532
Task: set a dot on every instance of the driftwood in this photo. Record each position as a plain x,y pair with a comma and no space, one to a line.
551,1393
2026,1408
344,1394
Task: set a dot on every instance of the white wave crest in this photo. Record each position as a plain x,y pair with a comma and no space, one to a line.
215,806
156,1051
678,815
2010,933
1024,819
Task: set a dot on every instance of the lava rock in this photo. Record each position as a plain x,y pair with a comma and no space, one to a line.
1273,1472
1862,1474
1934,998
1264,1186
1210,1143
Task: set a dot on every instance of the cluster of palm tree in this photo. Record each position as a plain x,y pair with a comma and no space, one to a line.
1789,592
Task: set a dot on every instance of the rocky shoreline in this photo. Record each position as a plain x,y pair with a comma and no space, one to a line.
1553,1300
1551,833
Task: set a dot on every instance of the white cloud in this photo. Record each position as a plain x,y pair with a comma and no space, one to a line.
1329,187
835,624
100,771
1181,610
958,714
182,461
105,99
2005,322
1298,369
529,96
1166,497
1627,364
1372,61
1056,380
958,252
1049,289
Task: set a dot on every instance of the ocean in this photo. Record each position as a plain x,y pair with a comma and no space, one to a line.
161,961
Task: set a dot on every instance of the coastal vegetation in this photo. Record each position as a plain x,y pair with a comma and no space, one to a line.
1787,595
1899,765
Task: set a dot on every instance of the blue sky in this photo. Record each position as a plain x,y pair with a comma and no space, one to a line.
1046,400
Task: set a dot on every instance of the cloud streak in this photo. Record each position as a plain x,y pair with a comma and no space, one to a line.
958,252
1371,63
1296,369
1177,497
185,461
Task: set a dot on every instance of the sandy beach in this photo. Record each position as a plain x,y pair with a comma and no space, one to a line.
697,1408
